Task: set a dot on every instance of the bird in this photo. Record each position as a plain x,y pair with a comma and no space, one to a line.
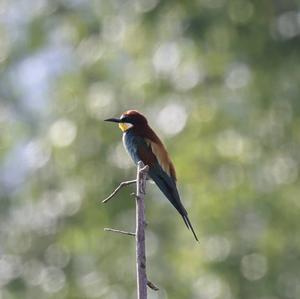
143,144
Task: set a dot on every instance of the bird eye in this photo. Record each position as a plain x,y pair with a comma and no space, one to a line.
125,119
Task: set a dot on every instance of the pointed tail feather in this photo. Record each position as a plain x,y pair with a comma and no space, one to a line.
168,187
189,225
185,222
182,211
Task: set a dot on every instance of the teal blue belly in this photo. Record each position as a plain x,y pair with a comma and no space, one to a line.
131,143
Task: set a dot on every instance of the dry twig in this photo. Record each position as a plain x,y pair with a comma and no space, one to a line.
123,184
107,229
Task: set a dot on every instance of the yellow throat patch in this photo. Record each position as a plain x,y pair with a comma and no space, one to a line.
124,126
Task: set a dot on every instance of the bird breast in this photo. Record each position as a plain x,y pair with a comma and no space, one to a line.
130,143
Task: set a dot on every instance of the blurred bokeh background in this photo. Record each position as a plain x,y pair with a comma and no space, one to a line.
218,79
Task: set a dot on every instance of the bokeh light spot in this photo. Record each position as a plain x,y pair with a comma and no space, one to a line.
187,77
32,272
93,285
288,24
230,176
166,58
53,279
57,256
231,144
241,11
288,285
37,153
254,266
114,29
62,132
120,158
172,118
10,268
209,286
238,76
100,101
216,248
89,50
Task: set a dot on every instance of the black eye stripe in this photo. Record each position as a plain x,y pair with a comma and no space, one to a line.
125,119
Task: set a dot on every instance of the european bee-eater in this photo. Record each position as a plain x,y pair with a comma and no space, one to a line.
142,144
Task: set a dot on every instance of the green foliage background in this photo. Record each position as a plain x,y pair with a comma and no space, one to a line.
218,79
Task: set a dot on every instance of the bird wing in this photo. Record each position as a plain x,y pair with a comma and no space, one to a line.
162,172
162,157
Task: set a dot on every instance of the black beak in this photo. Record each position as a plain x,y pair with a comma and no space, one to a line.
114,120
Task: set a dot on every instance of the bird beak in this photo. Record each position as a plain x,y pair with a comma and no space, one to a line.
114,120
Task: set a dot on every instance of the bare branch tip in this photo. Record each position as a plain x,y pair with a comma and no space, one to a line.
152,286
121,185
107,229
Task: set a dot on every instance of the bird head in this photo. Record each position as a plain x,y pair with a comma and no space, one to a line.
129,119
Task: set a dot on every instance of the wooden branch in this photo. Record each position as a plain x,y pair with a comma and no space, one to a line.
122,184
107,229
142,281
141,179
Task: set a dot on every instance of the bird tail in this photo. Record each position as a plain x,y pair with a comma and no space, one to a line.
189,225
182,211
168,187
